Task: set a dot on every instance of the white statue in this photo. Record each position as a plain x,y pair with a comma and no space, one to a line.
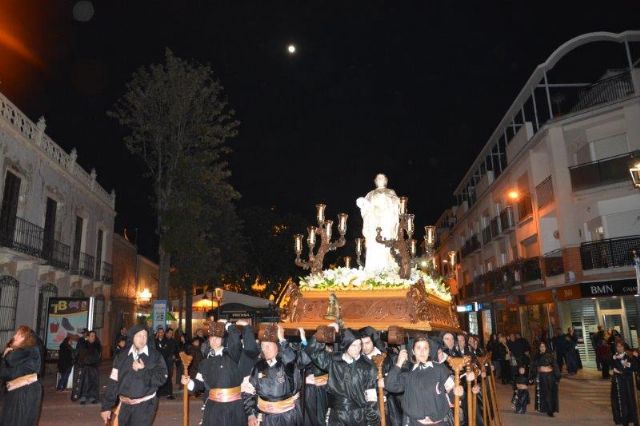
380,208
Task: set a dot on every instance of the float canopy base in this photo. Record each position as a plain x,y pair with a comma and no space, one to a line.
412,308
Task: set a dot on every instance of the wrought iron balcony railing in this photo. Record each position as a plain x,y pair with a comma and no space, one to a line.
553,263
58,255
606,171
83,264
606,90
507,221
107,273
22,235
609,253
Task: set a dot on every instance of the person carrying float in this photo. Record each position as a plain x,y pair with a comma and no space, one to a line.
221,373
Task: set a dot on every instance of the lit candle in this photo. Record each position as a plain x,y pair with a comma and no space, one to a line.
410,227
430,235
359,246
342,223
403,204
298,243
347,261
413,247
312,236
321,208
452,258
328,226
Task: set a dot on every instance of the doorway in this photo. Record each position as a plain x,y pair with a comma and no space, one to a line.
616,319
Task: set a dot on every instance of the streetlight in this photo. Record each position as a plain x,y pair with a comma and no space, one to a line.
635,175
513,195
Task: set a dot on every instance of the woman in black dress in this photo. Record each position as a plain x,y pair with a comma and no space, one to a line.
86,380
19,369
546,375
65,363
425,385
623,397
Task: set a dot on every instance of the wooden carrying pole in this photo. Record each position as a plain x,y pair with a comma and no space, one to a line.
378,360
635,396
482,360
186,361
471,415
497,417
456,363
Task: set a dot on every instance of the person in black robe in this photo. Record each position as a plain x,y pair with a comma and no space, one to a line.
520,398
86,377
65,363
623,397
221,373
121,335
424,384
273,392
352,385
167,348
372,346
546,375
476,351
136,375
571,354
19,369
316,400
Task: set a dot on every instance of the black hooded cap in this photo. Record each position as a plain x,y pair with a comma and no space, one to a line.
135,329
434,345
374,335
348,337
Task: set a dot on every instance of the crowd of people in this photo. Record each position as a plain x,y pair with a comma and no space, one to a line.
341,380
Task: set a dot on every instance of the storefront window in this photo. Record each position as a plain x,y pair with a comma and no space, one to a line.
473,323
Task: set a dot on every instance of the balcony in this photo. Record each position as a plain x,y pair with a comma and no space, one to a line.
544,193
602,172
83,264
502,280
603,91
486,234
507,220
58,255
525,207
22,235
107,271
471,245
553,263
613,252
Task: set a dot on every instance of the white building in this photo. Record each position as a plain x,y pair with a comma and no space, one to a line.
56,227
547,216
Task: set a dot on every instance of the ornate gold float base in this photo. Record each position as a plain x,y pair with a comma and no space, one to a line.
413,309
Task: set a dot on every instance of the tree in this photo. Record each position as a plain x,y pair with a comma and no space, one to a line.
178,121
269,243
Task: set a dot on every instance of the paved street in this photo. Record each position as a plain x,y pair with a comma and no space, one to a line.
584,400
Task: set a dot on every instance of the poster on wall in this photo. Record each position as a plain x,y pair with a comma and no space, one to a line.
66,317
160,309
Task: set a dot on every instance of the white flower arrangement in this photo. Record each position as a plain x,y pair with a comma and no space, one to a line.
358,279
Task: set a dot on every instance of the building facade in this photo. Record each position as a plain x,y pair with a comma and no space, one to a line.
132,275
546,218
56,226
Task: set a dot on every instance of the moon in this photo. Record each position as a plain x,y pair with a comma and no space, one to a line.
291,49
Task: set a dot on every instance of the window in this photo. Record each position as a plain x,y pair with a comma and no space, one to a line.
8,304
99,255
9,210
77,245
77,293
98,312
49,227
47,291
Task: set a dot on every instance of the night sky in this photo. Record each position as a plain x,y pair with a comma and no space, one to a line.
411,89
